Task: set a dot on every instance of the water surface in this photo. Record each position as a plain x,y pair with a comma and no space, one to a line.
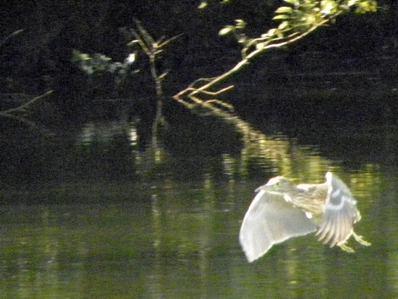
116,222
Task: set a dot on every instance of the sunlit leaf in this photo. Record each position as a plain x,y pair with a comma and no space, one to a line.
284,9
84,56
366,6
271,32
133,42
281,17
283,25
278,33
328,7
242,39
352,2
130,59
260,46
226,30
240,23
202,5
87,69
292,2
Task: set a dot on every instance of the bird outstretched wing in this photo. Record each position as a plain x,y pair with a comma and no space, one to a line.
271,220
340,213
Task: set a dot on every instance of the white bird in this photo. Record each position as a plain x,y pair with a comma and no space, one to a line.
282,210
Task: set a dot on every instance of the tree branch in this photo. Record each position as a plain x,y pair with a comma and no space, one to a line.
22,109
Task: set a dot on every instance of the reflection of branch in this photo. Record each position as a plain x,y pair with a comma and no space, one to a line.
9,36
151,49
18,118
25,106
10,113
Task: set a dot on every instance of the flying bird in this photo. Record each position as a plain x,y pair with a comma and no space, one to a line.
281,211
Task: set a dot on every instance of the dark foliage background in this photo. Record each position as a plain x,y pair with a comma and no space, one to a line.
39,58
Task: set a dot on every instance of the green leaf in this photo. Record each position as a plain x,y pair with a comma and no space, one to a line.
292,2
283,25
281,17
271,32
242,39
202,5
260,46
226,30
366,6
352,2
284,9
240,24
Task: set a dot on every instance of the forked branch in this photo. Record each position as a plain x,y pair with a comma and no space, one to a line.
298,20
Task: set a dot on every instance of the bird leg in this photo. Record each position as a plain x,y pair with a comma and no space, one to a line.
346,248
360,239
357,238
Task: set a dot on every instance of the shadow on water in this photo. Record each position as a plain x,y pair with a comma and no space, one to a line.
90,214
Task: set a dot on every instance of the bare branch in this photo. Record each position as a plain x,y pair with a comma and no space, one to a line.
11,35
22,109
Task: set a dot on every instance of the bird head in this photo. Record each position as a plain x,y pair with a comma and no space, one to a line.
277,184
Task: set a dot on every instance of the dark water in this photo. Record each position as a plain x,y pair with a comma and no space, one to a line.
97,218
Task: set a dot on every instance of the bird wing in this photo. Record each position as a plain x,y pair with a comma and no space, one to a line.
340,213
271,220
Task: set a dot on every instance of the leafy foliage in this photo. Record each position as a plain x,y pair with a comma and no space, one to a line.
205,3
99,63
296,18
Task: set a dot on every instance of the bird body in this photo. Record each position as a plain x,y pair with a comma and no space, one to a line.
282,210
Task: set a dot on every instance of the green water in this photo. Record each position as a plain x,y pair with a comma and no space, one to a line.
99,220
182,243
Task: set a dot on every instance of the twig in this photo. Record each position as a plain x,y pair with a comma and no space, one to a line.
11,35
9,113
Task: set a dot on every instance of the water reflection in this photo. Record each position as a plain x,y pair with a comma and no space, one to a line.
182,243
105,219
